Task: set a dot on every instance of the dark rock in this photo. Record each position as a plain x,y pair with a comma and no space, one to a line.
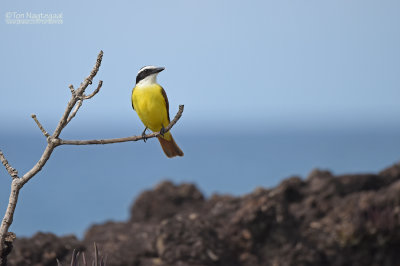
43,249
8,246
123,243
165,201
391,173
190,240
323,220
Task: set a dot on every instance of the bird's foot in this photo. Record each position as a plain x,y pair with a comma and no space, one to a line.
144,135
162,131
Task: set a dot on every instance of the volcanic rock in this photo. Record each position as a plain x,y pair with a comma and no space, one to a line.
321,220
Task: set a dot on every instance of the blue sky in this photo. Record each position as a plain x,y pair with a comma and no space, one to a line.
263,64
271,68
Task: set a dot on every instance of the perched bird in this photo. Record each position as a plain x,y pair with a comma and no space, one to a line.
150,102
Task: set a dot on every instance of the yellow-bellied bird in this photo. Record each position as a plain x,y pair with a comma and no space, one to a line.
151,104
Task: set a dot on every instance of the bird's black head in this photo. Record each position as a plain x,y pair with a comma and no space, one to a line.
146,71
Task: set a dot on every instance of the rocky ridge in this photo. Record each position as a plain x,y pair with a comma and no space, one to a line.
322,220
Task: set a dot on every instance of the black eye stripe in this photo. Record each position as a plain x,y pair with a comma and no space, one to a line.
143,74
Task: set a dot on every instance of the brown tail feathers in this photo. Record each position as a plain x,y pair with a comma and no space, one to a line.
170,147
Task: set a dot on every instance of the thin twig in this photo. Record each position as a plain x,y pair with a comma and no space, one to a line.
95,91
119,140
62,123
71,87
12,171
78,95
75,111
96,67
40,126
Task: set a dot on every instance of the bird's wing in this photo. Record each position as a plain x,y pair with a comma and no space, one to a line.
166,101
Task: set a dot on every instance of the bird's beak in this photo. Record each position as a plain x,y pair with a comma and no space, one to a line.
158,69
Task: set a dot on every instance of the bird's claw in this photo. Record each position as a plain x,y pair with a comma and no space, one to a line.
144,135
162,131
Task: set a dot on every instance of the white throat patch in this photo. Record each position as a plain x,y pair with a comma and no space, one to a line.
147,81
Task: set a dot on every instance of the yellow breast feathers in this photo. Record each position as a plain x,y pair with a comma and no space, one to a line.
151,105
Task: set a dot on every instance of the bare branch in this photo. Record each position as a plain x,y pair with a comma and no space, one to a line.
96,67
12,171
75,111
40,126
176,118
8,218
119,140
95,91
18,183
88,81
71,87
77,96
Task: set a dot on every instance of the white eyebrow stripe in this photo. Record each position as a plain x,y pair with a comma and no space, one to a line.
145,68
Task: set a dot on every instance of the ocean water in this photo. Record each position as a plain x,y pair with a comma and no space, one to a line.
82,185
